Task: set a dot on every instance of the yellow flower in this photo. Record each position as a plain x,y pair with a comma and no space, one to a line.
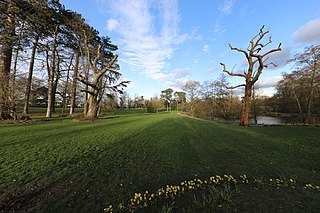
121,206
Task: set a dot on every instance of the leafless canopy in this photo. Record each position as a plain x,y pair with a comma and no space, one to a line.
253,56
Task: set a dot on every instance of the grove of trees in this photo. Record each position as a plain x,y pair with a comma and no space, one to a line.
44,36
297,96
299,91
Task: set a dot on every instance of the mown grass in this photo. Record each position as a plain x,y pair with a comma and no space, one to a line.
68,166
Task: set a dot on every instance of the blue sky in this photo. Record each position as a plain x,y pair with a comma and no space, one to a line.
164,43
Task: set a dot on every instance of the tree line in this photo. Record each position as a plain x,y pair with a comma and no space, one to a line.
297,93
78,62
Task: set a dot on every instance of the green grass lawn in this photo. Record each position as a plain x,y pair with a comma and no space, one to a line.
67,166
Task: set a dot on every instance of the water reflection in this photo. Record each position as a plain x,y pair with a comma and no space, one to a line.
270,120
267,120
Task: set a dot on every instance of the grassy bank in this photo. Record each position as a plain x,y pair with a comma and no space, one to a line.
68,166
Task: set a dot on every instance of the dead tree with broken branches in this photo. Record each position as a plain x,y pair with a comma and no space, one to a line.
257,60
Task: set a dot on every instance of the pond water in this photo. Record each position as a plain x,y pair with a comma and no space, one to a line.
267,120
270,120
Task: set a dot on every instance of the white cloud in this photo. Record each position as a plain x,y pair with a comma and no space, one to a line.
211,70
218,28
280,58
205,48
178,84
149,33
226,7
268,82
310,32
182,72
112,24
269,92
175,74
195,34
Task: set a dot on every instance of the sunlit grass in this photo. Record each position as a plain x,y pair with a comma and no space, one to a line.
67,165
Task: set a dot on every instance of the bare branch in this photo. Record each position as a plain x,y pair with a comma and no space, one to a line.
261,29
95,62
271,51
87,91
271,63
109,67
241,85
231,73
233,67
84,81
261,35
265,60
266,44
240,50
87,49
115,88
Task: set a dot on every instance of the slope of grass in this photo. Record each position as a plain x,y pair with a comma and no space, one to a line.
68,166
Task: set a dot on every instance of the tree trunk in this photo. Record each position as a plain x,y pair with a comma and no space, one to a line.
85,97
254,106
310,96
66,87
7,42
55,84
29,81
13,81
244,120
299,106
74,84
51,75
5,64
92,107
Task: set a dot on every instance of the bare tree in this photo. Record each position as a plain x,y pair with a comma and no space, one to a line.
308,72
256,63
191,89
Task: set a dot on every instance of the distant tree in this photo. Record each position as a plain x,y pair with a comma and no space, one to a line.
256,63
166,96
180,98
208,96
123,100
308,73
191,89
222,95
37,28
154,104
